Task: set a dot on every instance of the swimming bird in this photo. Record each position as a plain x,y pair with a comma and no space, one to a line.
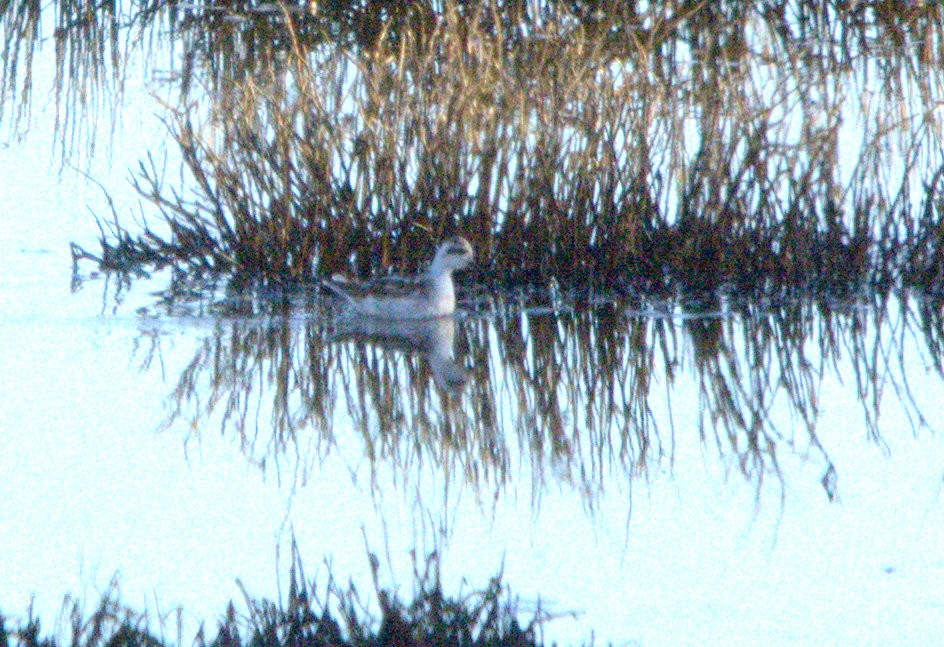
427,295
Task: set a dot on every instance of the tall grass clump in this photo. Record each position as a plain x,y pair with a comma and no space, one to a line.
681,146
91,44
309,614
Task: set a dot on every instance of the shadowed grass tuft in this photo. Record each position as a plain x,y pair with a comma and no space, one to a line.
690,156
672,148
342,618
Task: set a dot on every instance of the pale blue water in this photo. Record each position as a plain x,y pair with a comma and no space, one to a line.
687,551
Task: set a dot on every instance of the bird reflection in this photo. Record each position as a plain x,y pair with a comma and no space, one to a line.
431,338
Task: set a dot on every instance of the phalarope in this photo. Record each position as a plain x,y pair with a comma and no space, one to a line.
431,294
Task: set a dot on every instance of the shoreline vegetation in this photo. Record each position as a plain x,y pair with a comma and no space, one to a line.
310,615
683,149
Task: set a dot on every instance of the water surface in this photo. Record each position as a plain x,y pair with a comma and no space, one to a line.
672,474
653,470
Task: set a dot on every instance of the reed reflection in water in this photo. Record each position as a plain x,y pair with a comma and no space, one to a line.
578,394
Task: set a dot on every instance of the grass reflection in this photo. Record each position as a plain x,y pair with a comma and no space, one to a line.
579,395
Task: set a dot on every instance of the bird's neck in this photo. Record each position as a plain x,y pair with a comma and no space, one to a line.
437,268
443,286
440,277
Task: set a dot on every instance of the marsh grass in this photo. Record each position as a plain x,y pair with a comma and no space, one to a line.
92,43
694,147
109,623
310,614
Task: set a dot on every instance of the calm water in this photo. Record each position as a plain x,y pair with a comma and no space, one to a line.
673,475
